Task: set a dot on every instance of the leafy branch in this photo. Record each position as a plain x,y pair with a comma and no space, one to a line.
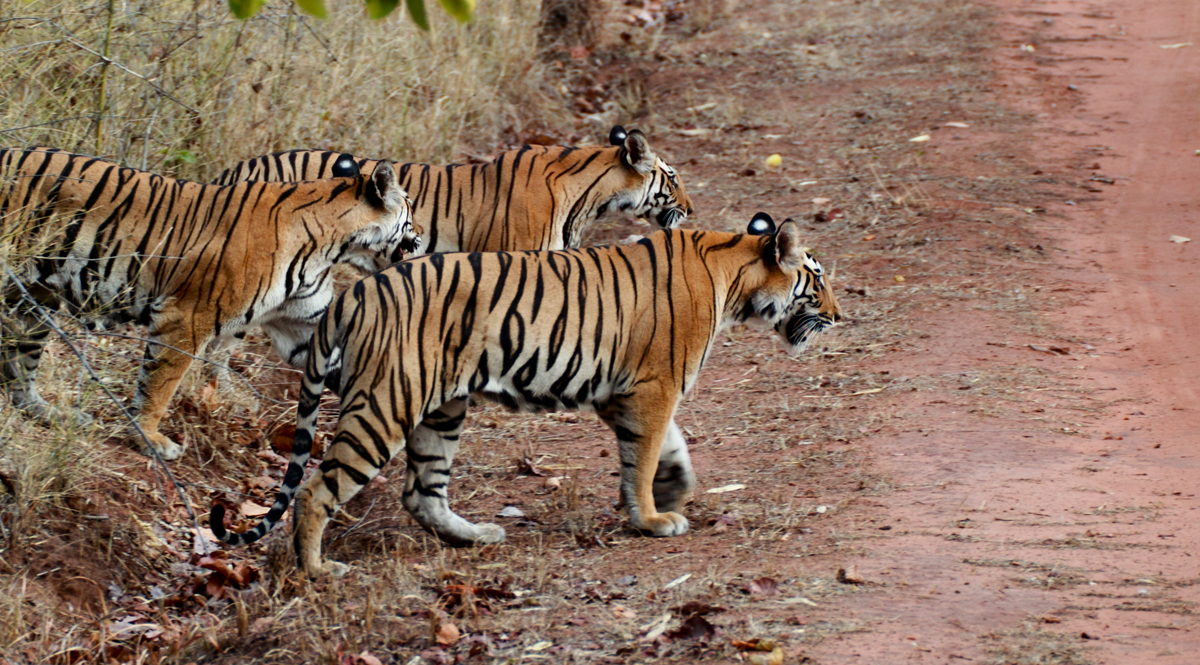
461,10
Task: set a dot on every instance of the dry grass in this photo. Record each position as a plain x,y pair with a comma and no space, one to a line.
191,90
1037,575
1031,645
186,91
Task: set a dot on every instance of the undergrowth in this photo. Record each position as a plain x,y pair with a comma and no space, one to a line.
186,89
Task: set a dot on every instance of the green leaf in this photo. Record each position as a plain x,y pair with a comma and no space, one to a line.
379,8
313,7
461,10
181,157
245,8
416,10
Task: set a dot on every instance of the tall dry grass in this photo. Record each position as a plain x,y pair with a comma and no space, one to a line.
186,89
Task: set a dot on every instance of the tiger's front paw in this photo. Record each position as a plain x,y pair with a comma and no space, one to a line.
663,524
461,533
167,449
332,569
489,533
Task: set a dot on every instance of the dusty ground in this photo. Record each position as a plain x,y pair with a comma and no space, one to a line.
996,452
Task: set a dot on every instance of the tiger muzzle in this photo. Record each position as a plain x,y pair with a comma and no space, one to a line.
670,218
408,246
800,328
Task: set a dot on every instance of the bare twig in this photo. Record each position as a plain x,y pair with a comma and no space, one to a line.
362,520
59,121
104,78
106,60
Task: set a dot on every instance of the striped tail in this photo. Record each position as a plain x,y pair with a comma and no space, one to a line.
326,338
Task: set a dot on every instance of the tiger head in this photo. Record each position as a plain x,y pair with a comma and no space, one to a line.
390,235
651,188
795,296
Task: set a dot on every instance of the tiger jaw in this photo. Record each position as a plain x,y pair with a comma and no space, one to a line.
669,218
799,329
409,246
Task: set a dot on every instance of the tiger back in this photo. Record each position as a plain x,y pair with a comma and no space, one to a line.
196,263
622,330
533,197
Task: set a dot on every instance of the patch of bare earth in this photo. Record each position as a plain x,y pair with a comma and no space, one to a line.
989,462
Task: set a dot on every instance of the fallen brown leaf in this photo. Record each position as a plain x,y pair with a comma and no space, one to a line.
209,396
527,467
447,634
849,575
283,437
1053,350
367,659
764,586
225,573
251,509
621,612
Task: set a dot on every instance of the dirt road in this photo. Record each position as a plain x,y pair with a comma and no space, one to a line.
1084,546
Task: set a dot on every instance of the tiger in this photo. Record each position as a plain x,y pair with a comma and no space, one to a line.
622,330
533,197
195,263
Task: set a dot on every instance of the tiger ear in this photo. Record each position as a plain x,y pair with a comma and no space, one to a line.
789,252
638,155
617,135
384,189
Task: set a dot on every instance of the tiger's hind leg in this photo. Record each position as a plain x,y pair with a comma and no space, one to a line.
674,479
21,350
217,355
431,452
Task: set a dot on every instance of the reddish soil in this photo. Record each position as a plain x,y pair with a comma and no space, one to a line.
1109,509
